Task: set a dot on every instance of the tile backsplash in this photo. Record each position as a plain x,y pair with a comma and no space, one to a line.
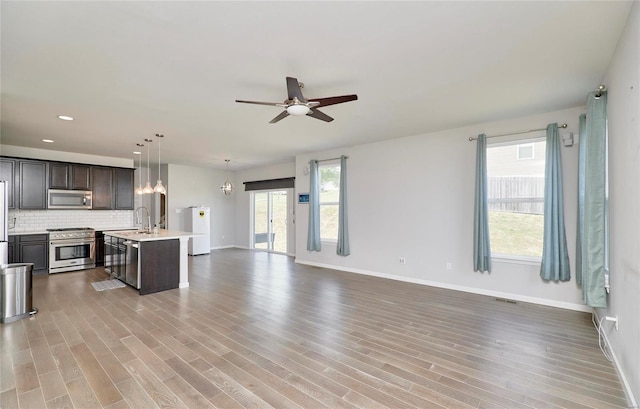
39,220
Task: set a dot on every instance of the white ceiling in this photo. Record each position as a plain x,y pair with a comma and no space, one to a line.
126,70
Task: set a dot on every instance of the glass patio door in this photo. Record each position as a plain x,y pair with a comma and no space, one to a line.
270,209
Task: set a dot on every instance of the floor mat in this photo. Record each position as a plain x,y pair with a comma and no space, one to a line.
108,285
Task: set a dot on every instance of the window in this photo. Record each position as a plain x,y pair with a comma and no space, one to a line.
526,151
516,198
329,197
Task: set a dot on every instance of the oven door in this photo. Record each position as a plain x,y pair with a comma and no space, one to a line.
69,255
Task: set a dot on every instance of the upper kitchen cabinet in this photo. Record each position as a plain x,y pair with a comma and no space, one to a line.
124,189
112,188
8,174
32,185
102,186
69,176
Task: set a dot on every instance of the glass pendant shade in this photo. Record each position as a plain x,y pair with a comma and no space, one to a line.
227,187
147,188
139,190
159,188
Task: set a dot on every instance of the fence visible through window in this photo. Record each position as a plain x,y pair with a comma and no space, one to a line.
517,194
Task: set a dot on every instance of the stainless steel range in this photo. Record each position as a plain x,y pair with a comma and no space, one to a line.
71,249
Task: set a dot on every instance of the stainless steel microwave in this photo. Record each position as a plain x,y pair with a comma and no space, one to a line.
69,199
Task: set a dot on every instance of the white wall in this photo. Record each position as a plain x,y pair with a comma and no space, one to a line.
194,186
623,109
413,197
243,199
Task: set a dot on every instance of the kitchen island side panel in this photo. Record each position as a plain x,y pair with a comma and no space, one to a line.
159,265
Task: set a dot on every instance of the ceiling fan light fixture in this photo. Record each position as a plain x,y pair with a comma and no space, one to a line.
298,109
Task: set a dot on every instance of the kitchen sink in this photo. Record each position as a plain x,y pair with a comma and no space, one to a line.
136,233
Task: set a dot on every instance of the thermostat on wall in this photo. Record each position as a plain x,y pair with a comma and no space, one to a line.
303,198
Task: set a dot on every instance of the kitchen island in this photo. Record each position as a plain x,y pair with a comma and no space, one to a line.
154,261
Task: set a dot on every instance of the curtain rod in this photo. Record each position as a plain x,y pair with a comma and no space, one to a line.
327,160
473,138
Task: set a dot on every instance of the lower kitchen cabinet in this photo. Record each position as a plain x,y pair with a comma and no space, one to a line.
31,248
99,248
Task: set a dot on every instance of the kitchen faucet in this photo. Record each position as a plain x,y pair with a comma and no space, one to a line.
140,222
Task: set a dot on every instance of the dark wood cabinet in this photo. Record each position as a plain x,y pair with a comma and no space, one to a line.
12,252
99,248
59,174
28,182
69,176
159,263
8,174
32,185
102,185
80,177
33,248
124,192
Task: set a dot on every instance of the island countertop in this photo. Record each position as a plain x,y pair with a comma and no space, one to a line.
161,235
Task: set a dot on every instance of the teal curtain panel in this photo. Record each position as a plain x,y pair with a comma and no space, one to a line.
481,241
555,256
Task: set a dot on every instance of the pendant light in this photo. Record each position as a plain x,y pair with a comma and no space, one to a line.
159,188
139,189
227,187
147,188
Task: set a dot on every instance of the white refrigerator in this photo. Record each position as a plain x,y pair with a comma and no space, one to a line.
199,221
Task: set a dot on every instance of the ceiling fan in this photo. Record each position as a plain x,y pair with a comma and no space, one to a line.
297,104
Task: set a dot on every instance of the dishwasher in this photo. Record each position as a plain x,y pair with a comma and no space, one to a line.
131,269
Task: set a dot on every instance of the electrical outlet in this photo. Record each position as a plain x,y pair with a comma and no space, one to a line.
403,260
448,266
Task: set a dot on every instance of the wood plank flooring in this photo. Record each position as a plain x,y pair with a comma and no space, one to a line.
256,330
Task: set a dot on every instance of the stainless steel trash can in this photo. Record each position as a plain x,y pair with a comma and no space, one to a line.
16,291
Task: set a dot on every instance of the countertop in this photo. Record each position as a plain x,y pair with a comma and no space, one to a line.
161,235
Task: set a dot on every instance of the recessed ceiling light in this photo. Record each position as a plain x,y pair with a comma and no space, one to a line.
47,140
137,153
65,117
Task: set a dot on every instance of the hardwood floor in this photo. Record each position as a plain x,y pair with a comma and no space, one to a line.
257,330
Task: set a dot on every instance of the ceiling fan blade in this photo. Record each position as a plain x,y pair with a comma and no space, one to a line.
293,89
273,104
282,115
333,100
314,113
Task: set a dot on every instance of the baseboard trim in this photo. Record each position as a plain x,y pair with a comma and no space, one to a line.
230,246
633,403
490,293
